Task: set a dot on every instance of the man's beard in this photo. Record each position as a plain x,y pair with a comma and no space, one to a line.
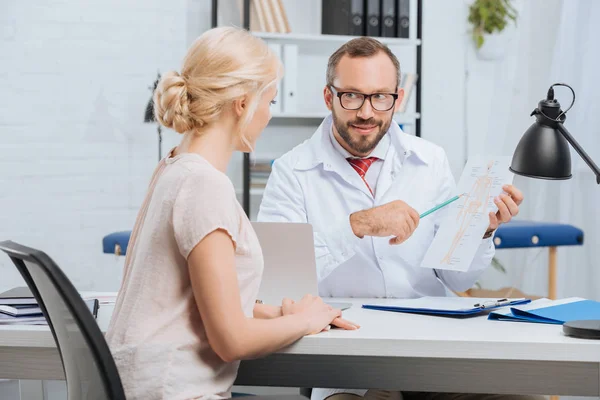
364,145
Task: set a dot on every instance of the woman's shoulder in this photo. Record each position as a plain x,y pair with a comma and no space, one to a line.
195,172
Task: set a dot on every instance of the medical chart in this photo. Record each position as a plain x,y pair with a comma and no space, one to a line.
466,220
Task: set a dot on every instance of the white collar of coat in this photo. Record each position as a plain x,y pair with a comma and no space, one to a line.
320,149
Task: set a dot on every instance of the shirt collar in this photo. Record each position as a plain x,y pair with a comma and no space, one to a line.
321,147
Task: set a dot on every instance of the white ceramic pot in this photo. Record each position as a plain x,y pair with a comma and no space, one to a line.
494,46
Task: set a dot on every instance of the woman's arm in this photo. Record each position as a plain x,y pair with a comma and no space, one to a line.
230,333
266,311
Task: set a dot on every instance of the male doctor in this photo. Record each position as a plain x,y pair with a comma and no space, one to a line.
361,182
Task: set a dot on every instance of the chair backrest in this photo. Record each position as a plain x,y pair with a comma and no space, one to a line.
89,367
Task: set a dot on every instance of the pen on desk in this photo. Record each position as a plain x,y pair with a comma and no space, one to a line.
492,303
441,205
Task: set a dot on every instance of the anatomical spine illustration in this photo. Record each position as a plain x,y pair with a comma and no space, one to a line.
474,203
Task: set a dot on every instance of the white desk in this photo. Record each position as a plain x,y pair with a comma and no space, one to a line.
391,350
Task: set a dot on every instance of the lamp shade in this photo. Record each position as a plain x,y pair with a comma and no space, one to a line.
149,114
542,153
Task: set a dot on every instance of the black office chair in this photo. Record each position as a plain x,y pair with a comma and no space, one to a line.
89,367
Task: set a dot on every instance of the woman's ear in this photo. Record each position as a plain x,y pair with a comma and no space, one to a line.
239,105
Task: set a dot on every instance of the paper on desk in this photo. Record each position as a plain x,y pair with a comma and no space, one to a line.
466,220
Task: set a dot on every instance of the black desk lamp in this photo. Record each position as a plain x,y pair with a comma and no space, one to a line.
543,153
149,116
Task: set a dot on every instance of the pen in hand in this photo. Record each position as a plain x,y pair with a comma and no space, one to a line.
441,205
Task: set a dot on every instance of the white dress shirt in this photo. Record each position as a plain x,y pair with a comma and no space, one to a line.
314,183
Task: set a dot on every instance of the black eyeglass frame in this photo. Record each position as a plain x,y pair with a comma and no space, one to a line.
339,95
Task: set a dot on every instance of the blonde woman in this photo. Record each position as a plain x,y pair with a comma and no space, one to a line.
187,312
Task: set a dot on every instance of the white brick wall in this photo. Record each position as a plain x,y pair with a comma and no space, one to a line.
75,154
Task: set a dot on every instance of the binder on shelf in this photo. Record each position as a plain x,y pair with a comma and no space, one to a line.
409,80
290,78
268,15
373,18
286,20
445,306
276,108
342,17
357,18
279,16
403,19
388,18
555,312
257,18
260,169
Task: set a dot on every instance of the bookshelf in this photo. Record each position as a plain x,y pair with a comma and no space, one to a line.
253,191
302,39
324,44
401,118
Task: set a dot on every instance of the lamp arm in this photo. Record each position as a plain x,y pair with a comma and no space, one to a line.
563,130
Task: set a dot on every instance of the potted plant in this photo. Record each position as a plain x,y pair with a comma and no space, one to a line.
488,19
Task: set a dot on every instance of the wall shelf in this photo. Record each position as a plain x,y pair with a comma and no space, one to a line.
253,191
400,118
334,40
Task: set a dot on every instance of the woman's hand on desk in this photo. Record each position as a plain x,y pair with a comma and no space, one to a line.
309,304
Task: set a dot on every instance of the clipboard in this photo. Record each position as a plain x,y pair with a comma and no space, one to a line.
445,306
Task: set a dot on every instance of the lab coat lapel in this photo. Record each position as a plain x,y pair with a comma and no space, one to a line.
389,172
322,151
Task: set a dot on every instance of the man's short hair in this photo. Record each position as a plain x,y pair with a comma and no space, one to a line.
360,47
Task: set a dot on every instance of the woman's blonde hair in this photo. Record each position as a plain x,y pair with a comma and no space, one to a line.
222,65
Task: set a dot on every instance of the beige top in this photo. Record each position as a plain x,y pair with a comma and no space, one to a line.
156,333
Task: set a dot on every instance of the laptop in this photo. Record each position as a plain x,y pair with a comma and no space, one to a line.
290,268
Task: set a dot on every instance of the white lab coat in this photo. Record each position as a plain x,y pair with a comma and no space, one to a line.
314,183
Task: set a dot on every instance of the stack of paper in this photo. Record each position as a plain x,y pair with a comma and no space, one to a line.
19,307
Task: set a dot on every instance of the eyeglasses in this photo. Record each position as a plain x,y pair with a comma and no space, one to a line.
355,100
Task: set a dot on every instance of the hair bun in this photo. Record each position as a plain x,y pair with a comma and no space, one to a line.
171,103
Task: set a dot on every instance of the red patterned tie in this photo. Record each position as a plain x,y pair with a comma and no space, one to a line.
361,165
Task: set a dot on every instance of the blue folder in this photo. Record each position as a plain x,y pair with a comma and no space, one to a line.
446,306
553,314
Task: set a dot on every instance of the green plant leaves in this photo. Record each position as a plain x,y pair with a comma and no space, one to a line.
489,16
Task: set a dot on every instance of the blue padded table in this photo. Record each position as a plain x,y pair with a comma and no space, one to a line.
521,234
116,243
515,234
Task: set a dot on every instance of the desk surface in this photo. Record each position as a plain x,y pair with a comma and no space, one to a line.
401,335
404,343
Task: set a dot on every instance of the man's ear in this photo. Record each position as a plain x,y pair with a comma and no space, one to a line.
328,96
239,105
399,99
